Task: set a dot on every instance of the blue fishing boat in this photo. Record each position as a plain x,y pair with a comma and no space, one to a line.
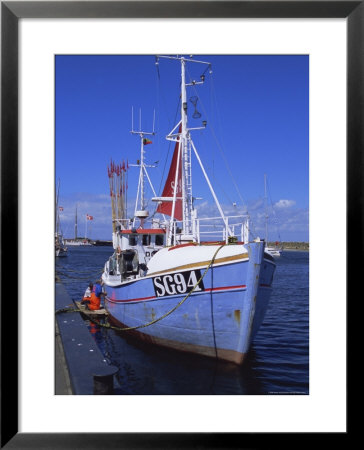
167,282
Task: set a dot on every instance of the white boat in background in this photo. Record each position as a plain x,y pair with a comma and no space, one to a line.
274,251
78,241
166,282
277,250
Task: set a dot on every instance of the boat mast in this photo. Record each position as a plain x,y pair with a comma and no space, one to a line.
186,145
187,205
186,148
57,210
76,225
141,213
266,209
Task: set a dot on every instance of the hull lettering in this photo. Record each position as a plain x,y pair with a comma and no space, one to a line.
178,283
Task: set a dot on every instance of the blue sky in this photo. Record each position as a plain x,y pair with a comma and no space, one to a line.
257,112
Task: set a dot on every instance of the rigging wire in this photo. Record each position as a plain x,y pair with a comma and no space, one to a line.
170,124
214,106
160,97
219,146
166,158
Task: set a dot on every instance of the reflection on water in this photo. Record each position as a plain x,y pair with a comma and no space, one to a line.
276,364
148,369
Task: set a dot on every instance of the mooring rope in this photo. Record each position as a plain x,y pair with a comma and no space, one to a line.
68,310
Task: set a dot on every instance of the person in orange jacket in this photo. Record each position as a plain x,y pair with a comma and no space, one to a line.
95,299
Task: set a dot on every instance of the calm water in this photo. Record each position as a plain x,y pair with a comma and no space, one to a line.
278,362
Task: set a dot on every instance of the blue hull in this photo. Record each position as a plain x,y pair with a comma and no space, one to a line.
218,319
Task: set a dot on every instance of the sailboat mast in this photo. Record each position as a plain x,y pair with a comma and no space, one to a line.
76,224
57,210
266,209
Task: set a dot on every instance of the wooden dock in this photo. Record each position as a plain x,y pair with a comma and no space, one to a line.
81,368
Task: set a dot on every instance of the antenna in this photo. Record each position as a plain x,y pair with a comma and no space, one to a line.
141,213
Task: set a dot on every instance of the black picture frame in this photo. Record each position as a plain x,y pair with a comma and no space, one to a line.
11,12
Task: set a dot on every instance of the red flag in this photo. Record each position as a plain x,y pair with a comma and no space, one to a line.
168,191
89,217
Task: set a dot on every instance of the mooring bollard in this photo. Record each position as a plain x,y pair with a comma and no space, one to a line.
104,380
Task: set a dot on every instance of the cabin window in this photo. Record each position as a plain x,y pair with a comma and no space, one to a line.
132,240
159,239
146,239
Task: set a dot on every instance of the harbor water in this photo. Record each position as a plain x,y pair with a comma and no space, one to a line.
277,364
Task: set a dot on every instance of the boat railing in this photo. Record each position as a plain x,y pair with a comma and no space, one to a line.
203,228
218,228
125,224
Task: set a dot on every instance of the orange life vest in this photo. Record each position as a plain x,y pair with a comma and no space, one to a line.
95,302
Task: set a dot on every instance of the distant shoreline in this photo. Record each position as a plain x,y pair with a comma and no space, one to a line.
297,246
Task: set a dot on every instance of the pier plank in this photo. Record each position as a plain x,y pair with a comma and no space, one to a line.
83,357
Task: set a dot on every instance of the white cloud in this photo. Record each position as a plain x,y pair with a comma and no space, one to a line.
284,204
